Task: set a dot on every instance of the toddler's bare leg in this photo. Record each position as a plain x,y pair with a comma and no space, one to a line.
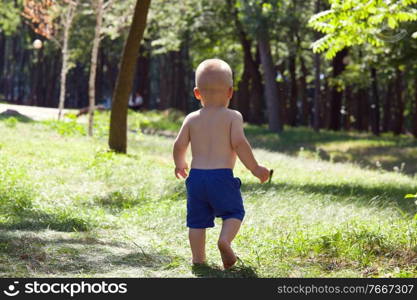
229,230
198,244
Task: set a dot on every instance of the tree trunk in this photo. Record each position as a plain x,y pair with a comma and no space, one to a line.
256,97
303,91
271,93
398,126
336,100
93,68
292,111
142,79
64,69
2,59
317,88
363,109
348,108
415,109
250,105
375,103
243,94
387,113
118,117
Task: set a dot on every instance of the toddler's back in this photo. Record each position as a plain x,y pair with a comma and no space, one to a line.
210,136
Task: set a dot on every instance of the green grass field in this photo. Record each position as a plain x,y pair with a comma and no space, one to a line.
335,207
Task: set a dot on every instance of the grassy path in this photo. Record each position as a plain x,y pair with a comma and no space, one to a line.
69,208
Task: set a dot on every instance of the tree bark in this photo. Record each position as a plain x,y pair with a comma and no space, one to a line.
256,97
387,113
348,108
398,125
317,92
305,107
93,68
363,109
292,111
271,93
250,105
375,103
2,59
243,94
69,17
317,86
336,99
118,117
415,109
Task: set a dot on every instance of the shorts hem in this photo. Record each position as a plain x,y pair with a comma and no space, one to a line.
239,217
200,226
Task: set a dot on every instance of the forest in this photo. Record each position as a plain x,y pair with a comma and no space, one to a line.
365,88
94,92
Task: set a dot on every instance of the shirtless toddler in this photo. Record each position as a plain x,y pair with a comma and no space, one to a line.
217,138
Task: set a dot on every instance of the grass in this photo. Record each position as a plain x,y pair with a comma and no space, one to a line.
70,208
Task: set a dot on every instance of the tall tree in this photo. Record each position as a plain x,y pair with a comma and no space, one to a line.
98,6
118,117
260,15
338,65
43,16
106,24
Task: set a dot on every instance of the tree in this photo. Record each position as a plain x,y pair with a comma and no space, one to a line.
118,117
98,6
260,14
250,86
355,22
43,14
9,16
105,25
317,85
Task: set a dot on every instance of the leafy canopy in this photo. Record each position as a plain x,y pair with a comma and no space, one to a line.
355,22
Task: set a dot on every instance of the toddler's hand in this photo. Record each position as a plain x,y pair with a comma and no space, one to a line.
181,171
262,173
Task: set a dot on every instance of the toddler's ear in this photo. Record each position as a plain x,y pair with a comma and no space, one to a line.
197,93
230,93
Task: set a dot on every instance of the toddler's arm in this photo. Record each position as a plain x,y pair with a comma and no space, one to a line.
180,149
244,151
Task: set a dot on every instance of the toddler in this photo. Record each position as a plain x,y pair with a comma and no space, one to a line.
217,138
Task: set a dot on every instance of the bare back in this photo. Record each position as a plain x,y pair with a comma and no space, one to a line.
210,137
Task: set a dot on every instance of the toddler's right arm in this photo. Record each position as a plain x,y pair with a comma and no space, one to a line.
243,149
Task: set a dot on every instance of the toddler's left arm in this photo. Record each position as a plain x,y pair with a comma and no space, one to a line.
180,149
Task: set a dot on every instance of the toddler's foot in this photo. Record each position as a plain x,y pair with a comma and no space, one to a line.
228,256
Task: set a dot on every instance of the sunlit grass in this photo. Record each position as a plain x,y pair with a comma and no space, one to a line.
88,212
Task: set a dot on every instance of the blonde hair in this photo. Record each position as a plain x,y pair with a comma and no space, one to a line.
213,73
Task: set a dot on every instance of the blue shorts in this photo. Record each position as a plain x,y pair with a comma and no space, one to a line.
212,193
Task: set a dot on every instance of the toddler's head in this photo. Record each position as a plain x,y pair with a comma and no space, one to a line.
214,82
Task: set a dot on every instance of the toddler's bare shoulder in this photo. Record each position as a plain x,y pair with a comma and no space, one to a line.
234,114
192,116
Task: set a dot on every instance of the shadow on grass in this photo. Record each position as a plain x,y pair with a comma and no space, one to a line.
30,254
386,195
34,220
238,271
10,113
391,151
118,200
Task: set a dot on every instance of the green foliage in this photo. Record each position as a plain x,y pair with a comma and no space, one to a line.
169,120
355,22
9,16
11,122
68,127
16,193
